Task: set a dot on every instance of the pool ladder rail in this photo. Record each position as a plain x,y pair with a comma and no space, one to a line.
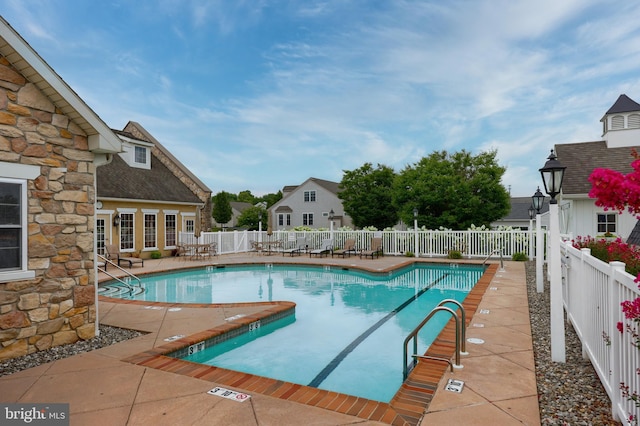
126,282
460,338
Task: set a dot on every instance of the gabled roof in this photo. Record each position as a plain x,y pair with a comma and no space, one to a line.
520,208
149,137
29,64
623,104
240,205
118,180
582,158
333,187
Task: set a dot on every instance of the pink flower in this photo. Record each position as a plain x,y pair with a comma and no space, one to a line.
620,326
631,309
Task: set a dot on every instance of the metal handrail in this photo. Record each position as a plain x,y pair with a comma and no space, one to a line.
414,335
463,328
490,254
126,284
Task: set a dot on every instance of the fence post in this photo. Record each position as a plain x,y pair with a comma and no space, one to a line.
616,339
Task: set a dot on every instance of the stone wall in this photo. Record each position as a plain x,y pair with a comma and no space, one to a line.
58,305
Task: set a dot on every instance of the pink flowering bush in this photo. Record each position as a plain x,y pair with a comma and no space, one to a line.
616,191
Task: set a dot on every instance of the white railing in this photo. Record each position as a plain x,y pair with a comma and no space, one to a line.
593,291
471,244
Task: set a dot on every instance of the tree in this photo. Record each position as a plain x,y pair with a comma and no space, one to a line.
271,199
251,218
366,196
221,211
453,191
246,197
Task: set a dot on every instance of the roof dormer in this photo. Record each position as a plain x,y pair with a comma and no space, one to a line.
621,123
135,152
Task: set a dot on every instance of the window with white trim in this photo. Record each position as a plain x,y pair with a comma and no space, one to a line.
126,231
170,230
607,223
309,196
14,260
307,219
150,229
140,155
189,225
633,121
12,224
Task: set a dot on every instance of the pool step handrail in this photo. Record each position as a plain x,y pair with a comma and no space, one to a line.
491,254
414,335
121,281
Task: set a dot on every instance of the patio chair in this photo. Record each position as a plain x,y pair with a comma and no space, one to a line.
300,246
257,246
113,250
349,247
375,250
325,248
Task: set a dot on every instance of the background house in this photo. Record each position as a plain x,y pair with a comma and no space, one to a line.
237,207
518,216
621,134
308,204
51,143
146,197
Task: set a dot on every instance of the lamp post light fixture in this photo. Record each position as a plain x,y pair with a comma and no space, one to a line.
537,201
331,223
532,214
116,220
415,231
552,175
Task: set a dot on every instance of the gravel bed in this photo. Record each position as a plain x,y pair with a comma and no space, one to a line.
108,336
569,393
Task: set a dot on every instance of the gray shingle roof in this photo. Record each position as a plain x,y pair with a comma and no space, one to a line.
520,208
118,180
582,158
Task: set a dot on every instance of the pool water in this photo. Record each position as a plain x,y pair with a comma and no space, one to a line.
349,326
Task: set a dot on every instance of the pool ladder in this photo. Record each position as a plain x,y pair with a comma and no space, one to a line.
460,338
126,282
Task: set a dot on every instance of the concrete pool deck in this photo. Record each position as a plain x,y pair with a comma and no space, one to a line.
113,386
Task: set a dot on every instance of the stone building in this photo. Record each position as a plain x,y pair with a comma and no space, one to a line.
51,143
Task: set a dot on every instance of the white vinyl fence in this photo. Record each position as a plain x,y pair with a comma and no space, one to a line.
472,244
593,291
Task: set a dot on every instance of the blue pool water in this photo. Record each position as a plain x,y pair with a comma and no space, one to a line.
349,326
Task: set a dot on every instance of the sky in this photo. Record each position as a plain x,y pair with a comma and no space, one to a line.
260,94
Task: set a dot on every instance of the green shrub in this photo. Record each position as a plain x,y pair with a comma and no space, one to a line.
454,254
408,254
519,257
156,254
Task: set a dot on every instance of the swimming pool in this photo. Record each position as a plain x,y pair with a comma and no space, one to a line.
349,326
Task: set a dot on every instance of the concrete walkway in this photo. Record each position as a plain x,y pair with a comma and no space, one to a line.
103,389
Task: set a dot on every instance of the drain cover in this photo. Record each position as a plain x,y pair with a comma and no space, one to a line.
454,385
475,340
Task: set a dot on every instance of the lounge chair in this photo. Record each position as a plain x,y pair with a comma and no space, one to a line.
112,250
347,250
325,248
375,250
299,247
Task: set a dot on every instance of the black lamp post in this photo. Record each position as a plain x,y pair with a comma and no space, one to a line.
331,222
537,200
552,175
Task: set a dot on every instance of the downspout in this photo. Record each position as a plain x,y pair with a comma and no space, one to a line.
98,160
